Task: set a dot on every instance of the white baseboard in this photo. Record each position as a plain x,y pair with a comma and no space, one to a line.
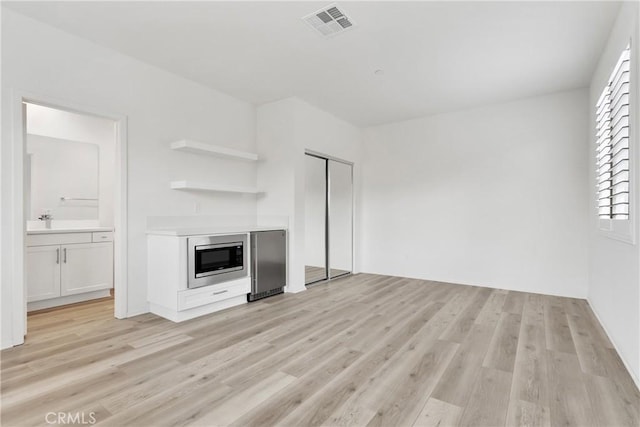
635,379
482,285
137,311
291,290
181,316
70,299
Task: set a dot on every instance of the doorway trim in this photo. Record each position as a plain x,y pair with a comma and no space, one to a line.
17,214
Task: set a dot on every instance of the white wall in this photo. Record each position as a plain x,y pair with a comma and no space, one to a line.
285,129
494,196
63,125
614,266
323,133
160,107
277,152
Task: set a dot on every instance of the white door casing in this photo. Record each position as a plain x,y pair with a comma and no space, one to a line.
17,220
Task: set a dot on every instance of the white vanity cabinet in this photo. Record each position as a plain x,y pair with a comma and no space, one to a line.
63,268
86,267
43,272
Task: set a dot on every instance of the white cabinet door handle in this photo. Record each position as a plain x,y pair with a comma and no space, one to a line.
220,292
58,256
65,255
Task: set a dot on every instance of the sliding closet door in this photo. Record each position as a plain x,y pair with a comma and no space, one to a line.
315,255
340,218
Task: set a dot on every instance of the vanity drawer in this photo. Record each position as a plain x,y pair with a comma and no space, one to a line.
192,298
57,239
102,236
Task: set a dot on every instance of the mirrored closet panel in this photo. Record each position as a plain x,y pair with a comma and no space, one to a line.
340,218
315,239
328,218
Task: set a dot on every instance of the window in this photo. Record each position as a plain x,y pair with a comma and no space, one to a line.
612,143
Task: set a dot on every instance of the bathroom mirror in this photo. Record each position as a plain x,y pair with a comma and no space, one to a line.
62,178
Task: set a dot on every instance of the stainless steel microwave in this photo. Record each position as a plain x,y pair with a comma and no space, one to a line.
216,259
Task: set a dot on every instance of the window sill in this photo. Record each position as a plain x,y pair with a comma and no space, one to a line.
622,231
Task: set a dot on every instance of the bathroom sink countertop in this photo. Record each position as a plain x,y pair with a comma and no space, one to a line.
67,230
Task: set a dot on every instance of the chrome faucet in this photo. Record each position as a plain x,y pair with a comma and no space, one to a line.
46,217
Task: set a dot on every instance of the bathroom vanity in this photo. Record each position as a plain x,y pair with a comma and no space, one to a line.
66,266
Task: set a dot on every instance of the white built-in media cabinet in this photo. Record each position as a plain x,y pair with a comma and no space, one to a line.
168,293
167,290
168,274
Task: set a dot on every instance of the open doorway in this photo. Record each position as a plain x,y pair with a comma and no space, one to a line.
68,198
70,176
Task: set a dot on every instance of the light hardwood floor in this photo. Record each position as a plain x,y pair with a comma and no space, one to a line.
363,350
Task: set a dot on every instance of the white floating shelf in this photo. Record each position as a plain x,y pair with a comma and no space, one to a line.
206,186
213,150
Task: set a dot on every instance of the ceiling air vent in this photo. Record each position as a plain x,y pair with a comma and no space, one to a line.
329,20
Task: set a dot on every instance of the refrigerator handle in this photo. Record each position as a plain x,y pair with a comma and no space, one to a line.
254,262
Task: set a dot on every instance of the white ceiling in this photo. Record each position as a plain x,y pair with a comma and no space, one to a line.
436,56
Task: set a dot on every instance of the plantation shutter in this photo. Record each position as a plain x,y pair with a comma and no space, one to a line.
612,143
